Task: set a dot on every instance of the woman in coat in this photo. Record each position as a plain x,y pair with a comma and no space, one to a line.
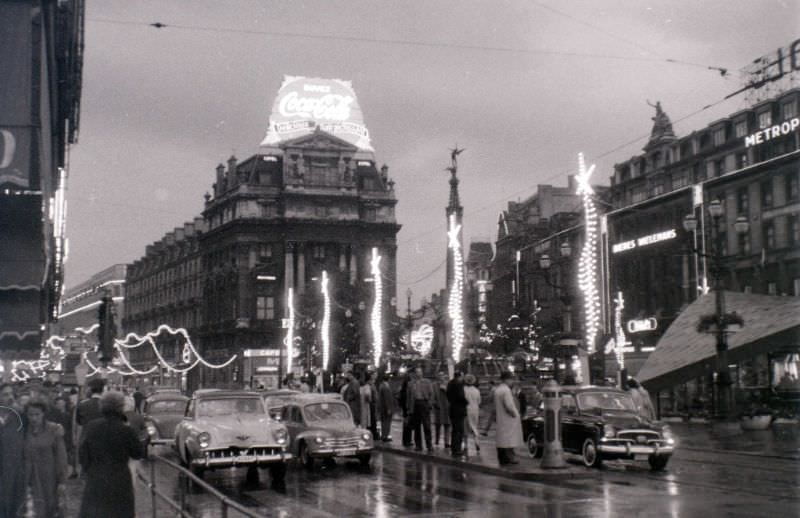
104,453
45,460
441,411
473,396
509,426
365,392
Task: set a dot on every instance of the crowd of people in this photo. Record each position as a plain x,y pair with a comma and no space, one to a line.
47,436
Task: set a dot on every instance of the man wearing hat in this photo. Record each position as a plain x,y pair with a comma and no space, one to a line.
509,427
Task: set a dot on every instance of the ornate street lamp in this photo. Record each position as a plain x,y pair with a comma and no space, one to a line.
720,322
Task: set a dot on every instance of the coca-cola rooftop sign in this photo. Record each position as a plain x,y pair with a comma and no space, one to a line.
306,103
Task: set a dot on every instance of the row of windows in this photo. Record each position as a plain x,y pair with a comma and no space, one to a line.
791,188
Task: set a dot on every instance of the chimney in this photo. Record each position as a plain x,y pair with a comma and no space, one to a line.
218,186
572,185
231,175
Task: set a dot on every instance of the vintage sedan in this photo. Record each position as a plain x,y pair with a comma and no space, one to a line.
231,428
321,427
162,412
275,399
600,423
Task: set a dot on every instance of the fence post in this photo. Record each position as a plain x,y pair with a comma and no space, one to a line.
224,508
153,486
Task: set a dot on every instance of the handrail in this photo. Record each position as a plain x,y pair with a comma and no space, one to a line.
180,507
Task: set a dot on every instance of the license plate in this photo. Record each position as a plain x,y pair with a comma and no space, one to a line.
641,456
346,452
245,458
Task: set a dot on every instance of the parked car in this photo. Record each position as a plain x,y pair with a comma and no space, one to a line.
321,427
600,423
162,412
275,400
231,428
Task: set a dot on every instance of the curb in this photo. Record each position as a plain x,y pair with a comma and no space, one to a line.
788,456
538,476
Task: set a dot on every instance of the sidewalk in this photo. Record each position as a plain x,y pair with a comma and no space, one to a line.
484,461
776,442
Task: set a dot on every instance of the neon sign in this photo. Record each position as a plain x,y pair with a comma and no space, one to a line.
304,104
642,325
644,241
766,134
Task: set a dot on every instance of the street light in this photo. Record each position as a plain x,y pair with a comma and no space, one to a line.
719,322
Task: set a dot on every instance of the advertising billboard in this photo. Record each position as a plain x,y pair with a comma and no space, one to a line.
304,104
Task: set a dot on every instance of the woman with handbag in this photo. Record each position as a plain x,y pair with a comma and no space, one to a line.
45,458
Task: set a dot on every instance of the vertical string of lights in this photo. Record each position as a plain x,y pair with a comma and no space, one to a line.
326,321
456,290
587,266
290,331
620,341
377,332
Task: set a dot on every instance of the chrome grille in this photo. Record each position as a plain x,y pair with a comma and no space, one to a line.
235,452
639,436
351,442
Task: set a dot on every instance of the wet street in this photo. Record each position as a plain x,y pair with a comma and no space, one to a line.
696,483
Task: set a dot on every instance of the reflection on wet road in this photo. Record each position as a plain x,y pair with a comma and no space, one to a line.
696,484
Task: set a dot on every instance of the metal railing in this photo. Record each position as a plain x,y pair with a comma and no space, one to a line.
186,479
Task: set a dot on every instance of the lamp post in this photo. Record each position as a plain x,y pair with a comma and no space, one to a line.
719,322
409,323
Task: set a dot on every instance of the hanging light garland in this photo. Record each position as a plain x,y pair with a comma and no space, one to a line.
326,321
620,341
587,266
456,290
290,331
376,318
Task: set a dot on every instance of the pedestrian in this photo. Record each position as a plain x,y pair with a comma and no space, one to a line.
373,406
441,411
641,398
402,399
138,399
386,408
352,396
304,387
458,413
521,399
420,395
473,396
509,426
104,453
45,461
12,440
365,394
59,413
89,409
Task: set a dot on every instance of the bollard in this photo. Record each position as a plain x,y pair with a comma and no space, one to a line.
553,454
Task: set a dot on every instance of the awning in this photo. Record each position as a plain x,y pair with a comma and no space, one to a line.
771,323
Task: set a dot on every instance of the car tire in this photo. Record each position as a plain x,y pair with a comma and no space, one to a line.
658,462
277,473
305,457
252,476
590,454
365,459
534,448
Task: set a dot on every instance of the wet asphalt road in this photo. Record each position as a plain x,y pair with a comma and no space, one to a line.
696,483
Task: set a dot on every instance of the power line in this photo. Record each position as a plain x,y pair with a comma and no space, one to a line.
392,41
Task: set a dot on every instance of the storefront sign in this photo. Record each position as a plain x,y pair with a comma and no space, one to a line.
767,134
304,104
642,325
260,353
644,241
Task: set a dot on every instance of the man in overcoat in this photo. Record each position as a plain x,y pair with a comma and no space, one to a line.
509,426
458,412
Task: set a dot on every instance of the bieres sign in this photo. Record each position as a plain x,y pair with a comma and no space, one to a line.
644,241
304,104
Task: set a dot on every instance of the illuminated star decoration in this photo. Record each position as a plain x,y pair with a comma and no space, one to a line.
326,321
620,340
456,289
587,266
289,342
377,332
421,339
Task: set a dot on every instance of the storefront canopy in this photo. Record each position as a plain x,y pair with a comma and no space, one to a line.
771,323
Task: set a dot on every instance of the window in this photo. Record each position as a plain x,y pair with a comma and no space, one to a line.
741,128
742,201
371,214
679,180
638,195
319,251
265,308
697,172
764,119
794,230
788,110
742,160
766,194
769,234
719,166
744,243
792,187
719,136
264,251
772,288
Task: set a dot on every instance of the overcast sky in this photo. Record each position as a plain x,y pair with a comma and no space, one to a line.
162,107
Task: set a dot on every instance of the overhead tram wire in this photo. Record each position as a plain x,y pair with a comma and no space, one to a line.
392,41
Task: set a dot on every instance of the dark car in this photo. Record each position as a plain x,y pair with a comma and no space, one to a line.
275,399
600,423
162,412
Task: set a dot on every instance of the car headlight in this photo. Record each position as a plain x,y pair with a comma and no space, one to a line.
318,440
151,430
204,439
668,436
609,432
280,435
366,436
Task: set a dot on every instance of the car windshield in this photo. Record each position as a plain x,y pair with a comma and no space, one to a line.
326,412
605,401
167,406
229,406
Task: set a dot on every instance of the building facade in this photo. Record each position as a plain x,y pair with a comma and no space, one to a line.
41,46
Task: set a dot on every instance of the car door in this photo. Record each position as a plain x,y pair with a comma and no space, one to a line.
570,423
182,430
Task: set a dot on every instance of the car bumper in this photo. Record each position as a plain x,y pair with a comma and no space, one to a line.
241,460
161,440
339,452
636,449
